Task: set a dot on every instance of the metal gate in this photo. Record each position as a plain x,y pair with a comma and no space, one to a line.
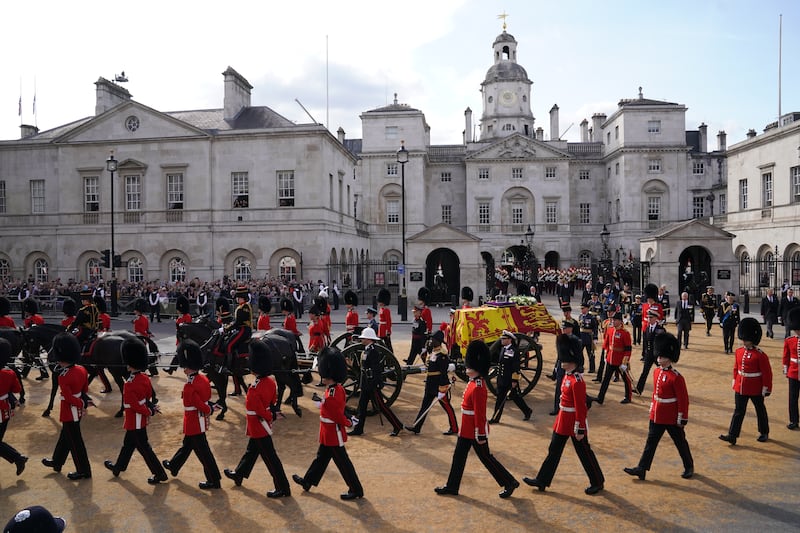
366,278
755,277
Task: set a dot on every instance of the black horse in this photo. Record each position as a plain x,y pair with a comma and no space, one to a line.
286,373
15,338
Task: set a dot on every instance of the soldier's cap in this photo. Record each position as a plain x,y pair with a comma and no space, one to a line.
653,313
566,308
710,287
585,304
509,335
729,293
372,310
639,296
35,519
617,316
452,311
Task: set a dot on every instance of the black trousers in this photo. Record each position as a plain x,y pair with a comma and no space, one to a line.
342,462
70,442
427,400
199,445
498,471
646,366
387,340
7,451
728,336
794,395
375,397
136,439
588,344
684,327
740,407
155,310
709,316
585,454
265,448
559,380
607,375
417,345
637,331
504,393
678,436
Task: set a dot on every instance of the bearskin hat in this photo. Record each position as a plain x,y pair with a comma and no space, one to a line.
466,293
5,352
66,348
566,352
667,345
424,295
477,357
384,296
351,298
69,307
223,305
321,303
651,291
332,365
5,306
750,330
793,319
438,337
286,305
189,355
314,310
134,353
242,291
30,306
260,361
182,304
264,303
100,303
140,305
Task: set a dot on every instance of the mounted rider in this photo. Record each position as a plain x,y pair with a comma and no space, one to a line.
84,327
30,308
240,329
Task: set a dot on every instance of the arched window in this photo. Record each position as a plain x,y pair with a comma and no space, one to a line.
287,269
93,272
509,127
5,270
177,270
241,269
40,270
795,261
135,270
585,259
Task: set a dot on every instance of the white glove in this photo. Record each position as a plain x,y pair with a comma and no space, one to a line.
354,420
785,369
221,330
317,404
441,395
452,367
623,368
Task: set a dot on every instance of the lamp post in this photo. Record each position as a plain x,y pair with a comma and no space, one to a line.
111,166
402,300
605,256
531,257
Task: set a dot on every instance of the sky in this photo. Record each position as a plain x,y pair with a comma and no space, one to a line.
340,59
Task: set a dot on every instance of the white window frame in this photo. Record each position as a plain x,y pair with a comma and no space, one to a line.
133,192
584,213
393,212
286,192
698,206
240,190
5,270
653,208
743,200
391,169
767,189
550,173
135,270
551,212
484,214
91,194
483,173
794,176
654,165
40,269
698,168
37,196
584,174
391,132
242,269
175,190
723,203
517,173
517,213
447,213
177,270
446,177
653,126
287,268
2,196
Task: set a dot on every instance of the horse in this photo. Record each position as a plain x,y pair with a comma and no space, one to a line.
285,343
15,338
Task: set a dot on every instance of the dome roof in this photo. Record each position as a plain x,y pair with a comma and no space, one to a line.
506,71
505,38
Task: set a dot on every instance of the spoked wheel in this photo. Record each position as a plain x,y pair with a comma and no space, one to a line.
345,339
392,375
530,364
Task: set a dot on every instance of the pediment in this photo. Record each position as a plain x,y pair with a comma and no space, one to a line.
518,147
691,230
130,121
443,233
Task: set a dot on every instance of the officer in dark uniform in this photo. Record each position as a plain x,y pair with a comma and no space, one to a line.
636,319
729,320
508,378
418,329
708,302
239,331
588,331
84,327
653,329
437,385
684,316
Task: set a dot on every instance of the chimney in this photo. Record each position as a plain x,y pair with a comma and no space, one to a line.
703,137
467,125
237,94
109,95
722,141
751,133
597,126
554,136
584,131
26,130
539,134
340,134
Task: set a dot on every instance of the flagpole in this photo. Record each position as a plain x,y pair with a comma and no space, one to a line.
35,121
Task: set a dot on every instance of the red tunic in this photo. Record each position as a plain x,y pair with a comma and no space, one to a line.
572,406
670,403
752,374
351,320
316,332
617,344
135,393
141,326
67,321
646,307
263,322
260,396
9,383
290,323
791,347
7,322
384,322
196,393
331,417
74,382
31,320
428,318
185,318
105,322
473,411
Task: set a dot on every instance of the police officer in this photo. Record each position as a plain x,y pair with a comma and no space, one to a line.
508,378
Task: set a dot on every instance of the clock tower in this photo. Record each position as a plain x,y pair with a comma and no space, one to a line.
506,93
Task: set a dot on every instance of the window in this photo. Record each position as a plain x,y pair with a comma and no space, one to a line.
446,176
584,212
550,173
447,214
583,174
654,165
37,196
766,189
698,168
653,126
551,212
175,190
698,206
616,169
653,208
616,132
516,173
177,270
286,188
240,190
608,172
391,132
391,267
483,173
617,209
742,194
745,259
517,213
5,270
91,197
135,270
241,269
393,212
723,203
608,137
330,191
93,269
287,268
585,259
2,196
484,215
133,192
509,127
391,169
794,172
40,270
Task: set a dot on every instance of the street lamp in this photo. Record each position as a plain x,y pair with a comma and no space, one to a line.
605,261
531,257
402,301
111,166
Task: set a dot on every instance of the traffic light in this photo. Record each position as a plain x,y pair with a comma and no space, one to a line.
105,260
117,261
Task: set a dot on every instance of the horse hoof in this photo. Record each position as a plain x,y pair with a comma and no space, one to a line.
119,414
46,414
221,416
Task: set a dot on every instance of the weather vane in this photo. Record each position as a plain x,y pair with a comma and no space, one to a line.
503,16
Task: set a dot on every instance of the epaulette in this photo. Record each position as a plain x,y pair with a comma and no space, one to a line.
675,371
331,392
578,376
478,382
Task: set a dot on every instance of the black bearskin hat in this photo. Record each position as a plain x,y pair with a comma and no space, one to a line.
134,353
351,298
223,305
667,345
189,355
182,304
66,348
140,305
437,338
651,291
5,352
260,361
264,303
314,310
478,357
100,303
750,330
5,306
384,296
30,306
69,307
424,295
793,319
466,294
332,365
321,304
566,351
286,305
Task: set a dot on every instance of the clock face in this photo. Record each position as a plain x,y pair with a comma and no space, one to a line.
508,97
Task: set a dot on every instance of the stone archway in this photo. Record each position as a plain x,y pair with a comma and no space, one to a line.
443,275
694,272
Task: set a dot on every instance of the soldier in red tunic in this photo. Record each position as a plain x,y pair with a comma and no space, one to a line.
474,430
466,297
5,319
424,295
669,408
385,318
68,308
752,381
264,307
570,423
103,318
73,381
651,302
196,411
30,308
9,386
351,319
290,322
261,398
791,352
332,433
138,409
316,330
617,345
141,328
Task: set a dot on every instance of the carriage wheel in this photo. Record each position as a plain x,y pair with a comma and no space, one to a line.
530,364
342,341
392,374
